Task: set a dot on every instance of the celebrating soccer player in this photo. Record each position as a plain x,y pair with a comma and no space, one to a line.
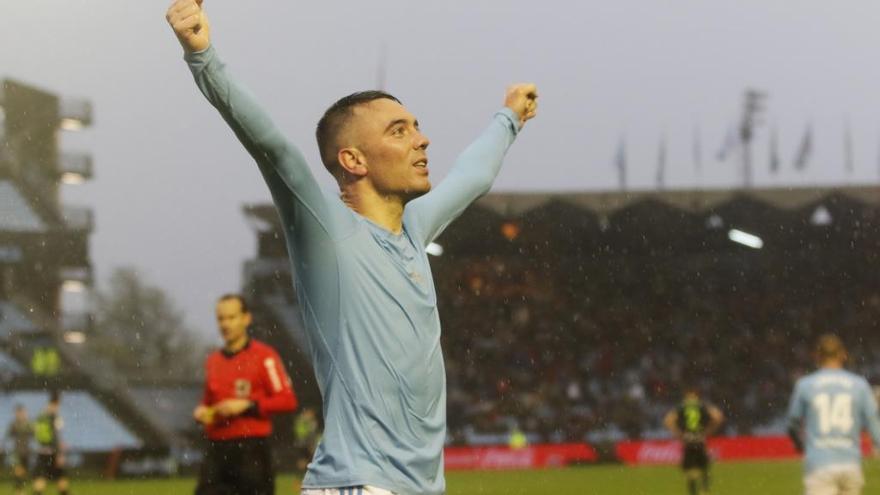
245,384
361,272
693,422
829,409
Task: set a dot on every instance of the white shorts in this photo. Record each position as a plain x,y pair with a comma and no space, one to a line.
835,480
351,490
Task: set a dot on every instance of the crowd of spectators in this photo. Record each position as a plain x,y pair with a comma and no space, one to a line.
576,348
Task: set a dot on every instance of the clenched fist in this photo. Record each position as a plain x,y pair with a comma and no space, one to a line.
523,100
190,24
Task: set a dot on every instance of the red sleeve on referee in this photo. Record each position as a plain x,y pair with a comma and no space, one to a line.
207,400
279,397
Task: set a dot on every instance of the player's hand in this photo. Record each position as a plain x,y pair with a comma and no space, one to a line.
232,407
190,24
204,414
522,98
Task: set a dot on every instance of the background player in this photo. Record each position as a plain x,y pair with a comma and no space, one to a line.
20,433
245,383
829,409
50,450
692,422
361,271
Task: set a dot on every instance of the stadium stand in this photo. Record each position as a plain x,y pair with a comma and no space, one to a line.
170,406
580,316
89,427
44,256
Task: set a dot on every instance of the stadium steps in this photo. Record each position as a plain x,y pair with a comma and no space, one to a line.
86,372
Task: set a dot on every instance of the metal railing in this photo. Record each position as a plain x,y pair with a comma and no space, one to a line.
76,164
75,112
77,322
78,274
78,218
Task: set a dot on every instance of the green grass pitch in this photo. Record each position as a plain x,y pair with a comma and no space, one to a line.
771,478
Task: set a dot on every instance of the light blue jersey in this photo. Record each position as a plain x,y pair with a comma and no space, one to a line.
834,406
367,298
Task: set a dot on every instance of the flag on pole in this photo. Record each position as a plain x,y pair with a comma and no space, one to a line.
698,152
774,152
620,163
728,144
802,158
661,164
848,160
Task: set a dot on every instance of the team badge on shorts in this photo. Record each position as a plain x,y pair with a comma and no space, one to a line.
242,388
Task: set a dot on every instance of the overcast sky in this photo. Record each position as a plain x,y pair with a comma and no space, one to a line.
171,179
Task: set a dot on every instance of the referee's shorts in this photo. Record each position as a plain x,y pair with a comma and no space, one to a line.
240,466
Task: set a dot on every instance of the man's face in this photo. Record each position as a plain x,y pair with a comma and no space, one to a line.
21,414
232,321
394,148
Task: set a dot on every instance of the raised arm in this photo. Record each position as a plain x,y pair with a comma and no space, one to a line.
282,164
476,168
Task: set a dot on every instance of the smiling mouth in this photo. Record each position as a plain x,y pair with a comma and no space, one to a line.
421,163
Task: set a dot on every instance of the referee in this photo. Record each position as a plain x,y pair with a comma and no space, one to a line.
245,383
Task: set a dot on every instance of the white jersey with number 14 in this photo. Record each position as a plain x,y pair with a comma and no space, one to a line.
834,406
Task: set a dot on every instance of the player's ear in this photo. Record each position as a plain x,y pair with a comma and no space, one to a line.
352,161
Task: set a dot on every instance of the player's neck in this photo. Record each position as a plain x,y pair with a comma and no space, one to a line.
236,345
383,210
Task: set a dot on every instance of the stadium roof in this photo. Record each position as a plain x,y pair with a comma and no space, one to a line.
695,201
650,221
264,217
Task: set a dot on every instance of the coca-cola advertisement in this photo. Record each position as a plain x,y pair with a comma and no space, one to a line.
531,457
721,448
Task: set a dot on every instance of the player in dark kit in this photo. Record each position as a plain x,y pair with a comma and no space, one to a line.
693,422
245,383
50,455
20,433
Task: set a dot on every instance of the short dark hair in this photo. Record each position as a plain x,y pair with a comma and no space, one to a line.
829,346
54,396
334,120
236,297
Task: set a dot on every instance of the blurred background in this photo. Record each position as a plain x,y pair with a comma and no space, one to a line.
698,198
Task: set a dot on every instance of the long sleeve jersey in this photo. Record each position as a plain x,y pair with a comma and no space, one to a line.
833,406
367,299
254,373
